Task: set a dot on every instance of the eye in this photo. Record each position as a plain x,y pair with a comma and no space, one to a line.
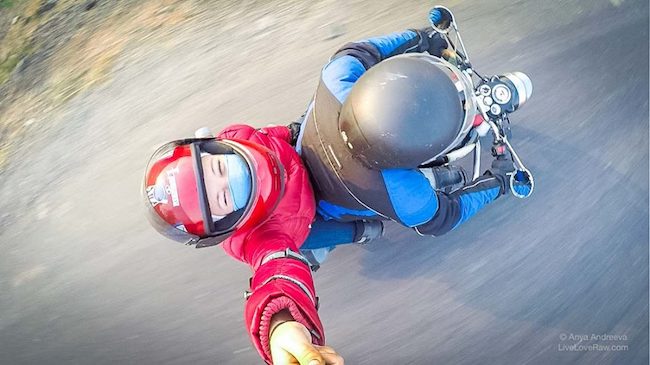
220,167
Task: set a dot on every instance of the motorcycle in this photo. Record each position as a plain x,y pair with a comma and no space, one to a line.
496,97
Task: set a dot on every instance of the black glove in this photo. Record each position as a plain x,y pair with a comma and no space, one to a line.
437,43
431,41
502,165
502,168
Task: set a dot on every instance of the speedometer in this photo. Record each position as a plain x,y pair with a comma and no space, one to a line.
501,94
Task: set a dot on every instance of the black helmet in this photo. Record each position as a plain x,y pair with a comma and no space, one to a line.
406,111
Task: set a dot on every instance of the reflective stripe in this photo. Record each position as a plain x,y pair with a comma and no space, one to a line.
466,187
283,254
290,279
422,234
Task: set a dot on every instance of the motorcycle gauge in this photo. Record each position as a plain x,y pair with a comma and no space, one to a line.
501,94
495,109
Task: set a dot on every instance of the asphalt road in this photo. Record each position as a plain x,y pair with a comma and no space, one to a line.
85,280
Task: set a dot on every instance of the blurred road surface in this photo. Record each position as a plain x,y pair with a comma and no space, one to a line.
85,280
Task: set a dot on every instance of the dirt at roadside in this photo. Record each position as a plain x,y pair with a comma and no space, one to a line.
51,50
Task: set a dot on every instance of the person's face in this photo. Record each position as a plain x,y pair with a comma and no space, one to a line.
215,177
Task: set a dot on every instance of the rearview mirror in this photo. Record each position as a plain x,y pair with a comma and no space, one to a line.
441,19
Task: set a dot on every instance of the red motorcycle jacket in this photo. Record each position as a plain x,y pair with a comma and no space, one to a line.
281,277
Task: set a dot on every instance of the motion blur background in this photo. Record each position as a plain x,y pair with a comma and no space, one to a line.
90,88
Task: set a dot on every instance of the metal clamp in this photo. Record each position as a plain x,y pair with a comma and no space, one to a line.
284,254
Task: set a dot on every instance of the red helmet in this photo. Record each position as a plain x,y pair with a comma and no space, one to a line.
175,195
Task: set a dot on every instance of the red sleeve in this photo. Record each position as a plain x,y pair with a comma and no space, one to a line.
242,131
239,131
280,132
283,283
277,285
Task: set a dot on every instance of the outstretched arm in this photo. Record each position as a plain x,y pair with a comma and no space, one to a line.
281,283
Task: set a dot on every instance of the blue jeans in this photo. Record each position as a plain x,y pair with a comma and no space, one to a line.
324,237
326,234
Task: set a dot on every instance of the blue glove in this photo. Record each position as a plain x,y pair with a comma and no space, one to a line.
435,16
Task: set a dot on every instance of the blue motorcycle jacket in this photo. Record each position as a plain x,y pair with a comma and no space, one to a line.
400,194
